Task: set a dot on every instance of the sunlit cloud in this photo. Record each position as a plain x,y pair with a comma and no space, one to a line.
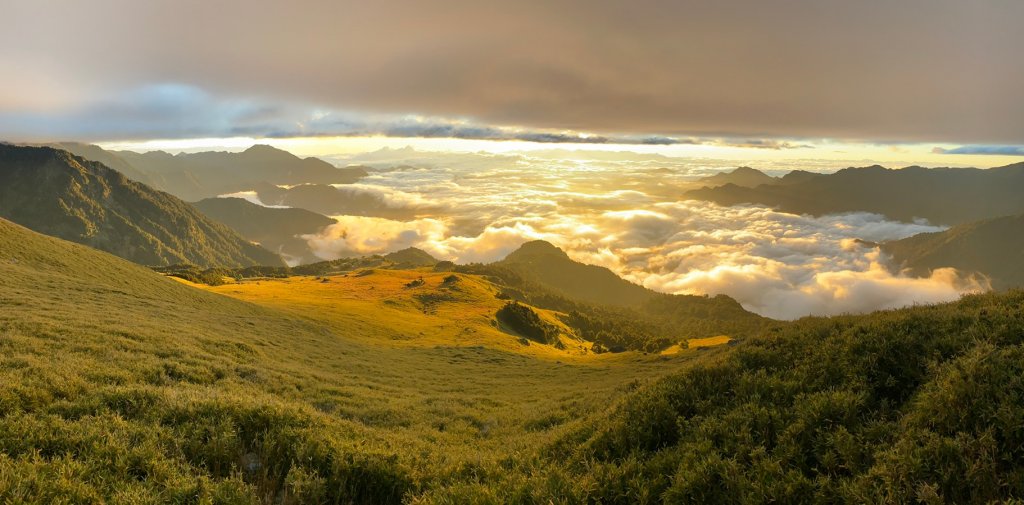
777,264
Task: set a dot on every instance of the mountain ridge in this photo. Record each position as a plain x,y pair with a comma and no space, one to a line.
740,176
992,247
196,176
947,196
57,193
277,229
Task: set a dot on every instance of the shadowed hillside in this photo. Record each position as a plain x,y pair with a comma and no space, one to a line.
276,229
609,310
56,193
543,263
331,201
993,247
941,195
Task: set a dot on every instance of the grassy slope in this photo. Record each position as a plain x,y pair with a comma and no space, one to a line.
916,405
122,385
119,385
456,313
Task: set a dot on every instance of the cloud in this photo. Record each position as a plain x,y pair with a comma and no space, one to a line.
358,236
174,111
777,264
762,144
738,68
776,290
983,149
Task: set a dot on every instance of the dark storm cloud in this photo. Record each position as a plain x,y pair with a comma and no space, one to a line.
913,70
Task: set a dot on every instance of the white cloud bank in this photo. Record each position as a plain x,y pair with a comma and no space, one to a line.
628,217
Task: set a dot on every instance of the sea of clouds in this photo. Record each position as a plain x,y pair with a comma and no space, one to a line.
627,212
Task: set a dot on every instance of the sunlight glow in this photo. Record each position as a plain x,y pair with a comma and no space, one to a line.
841,153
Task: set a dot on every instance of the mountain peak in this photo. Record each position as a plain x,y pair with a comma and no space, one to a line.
263,148
411,257
740,176
269,151
746,170
534,249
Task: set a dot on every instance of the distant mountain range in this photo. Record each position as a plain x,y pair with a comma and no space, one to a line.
329,200
743,176
195,176
276,229
947,196
993,247
57,193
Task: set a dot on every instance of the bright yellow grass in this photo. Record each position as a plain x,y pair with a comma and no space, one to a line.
696,343
379,308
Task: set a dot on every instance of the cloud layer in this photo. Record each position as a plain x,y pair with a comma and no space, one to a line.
625,214
913,70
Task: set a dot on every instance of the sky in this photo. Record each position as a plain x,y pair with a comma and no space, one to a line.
487,124
930,81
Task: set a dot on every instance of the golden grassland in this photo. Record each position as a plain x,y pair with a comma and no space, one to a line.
391,308
122,385
697,343
118,385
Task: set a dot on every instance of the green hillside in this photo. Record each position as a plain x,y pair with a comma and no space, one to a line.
276,229
134,388
916,405
993,247
942,195
120,385
112,160
59,194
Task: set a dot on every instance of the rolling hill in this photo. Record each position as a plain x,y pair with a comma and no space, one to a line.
993,247
395,387
411,257
276,229
947,196
609,310
57,193
121,385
